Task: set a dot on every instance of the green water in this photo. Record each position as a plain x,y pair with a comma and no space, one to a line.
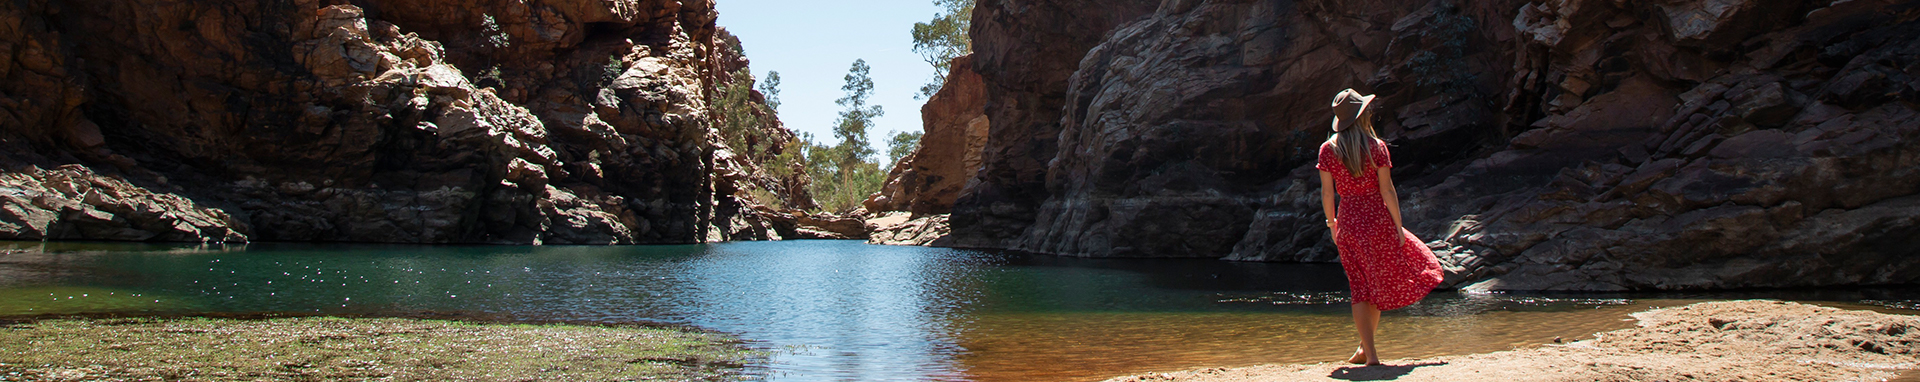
838,310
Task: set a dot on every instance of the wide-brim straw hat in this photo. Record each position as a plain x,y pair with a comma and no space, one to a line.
1347,107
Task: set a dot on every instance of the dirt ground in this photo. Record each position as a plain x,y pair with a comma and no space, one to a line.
1754,340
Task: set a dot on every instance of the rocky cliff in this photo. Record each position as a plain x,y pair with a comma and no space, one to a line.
1024,52
921,188
565,121
1564,145
928,180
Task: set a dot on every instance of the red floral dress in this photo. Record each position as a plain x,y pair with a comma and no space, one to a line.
1386,267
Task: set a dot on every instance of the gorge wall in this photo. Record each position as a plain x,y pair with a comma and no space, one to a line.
1557,145
912,207
554,121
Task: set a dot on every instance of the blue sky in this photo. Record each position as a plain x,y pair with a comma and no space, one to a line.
812,43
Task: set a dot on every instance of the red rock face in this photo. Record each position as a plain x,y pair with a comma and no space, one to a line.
1582,145
927,181
582,122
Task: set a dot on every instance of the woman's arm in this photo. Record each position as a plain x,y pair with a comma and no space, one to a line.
1326,201
1388,194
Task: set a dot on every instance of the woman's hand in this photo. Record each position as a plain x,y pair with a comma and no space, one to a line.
1327,202
1390,196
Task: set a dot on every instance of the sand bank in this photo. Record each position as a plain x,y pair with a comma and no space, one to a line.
1754,340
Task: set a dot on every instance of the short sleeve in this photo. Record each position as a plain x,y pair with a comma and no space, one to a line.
1328,161
1381,157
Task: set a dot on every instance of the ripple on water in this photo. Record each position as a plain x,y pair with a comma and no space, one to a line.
1895,304
1437,304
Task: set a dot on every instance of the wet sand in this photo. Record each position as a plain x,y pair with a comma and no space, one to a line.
1752,340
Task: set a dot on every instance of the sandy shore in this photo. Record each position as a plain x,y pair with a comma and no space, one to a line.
1753,340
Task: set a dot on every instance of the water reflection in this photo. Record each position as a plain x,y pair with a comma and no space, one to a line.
839,310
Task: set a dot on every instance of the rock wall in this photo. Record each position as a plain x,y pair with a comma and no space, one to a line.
955,123
1024,52
1564,145
925,183
566,121
1698,145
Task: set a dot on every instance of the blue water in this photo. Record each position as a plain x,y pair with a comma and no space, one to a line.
825,310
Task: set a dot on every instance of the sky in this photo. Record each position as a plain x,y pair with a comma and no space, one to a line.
813,43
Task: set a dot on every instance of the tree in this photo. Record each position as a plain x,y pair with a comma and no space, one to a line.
902,143
497,40
844,173
852,126
742,122
771,89
940,40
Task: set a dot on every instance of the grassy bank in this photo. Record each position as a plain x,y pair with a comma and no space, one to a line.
314,348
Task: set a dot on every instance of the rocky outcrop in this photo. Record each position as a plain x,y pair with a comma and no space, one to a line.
901,228
72,202
928,180
1725,145
578,122
1024,52
1564,145
791,224
925,183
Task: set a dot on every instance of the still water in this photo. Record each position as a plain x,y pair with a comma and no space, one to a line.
838,310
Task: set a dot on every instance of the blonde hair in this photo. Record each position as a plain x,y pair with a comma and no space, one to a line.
1354,146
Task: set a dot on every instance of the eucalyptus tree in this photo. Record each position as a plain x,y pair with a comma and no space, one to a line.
940,40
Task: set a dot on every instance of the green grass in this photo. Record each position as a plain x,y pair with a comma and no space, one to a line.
330,348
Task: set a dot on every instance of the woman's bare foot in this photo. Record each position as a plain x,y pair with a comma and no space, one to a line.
1360,356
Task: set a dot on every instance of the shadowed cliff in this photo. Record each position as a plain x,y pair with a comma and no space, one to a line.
1565,145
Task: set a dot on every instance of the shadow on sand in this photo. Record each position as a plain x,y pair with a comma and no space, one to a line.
1377,372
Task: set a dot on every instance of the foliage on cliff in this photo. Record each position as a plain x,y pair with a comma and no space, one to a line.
940,40
748,122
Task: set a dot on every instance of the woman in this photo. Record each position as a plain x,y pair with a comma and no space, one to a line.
1387,267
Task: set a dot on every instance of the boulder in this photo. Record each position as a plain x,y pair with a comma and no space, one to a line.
900,228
